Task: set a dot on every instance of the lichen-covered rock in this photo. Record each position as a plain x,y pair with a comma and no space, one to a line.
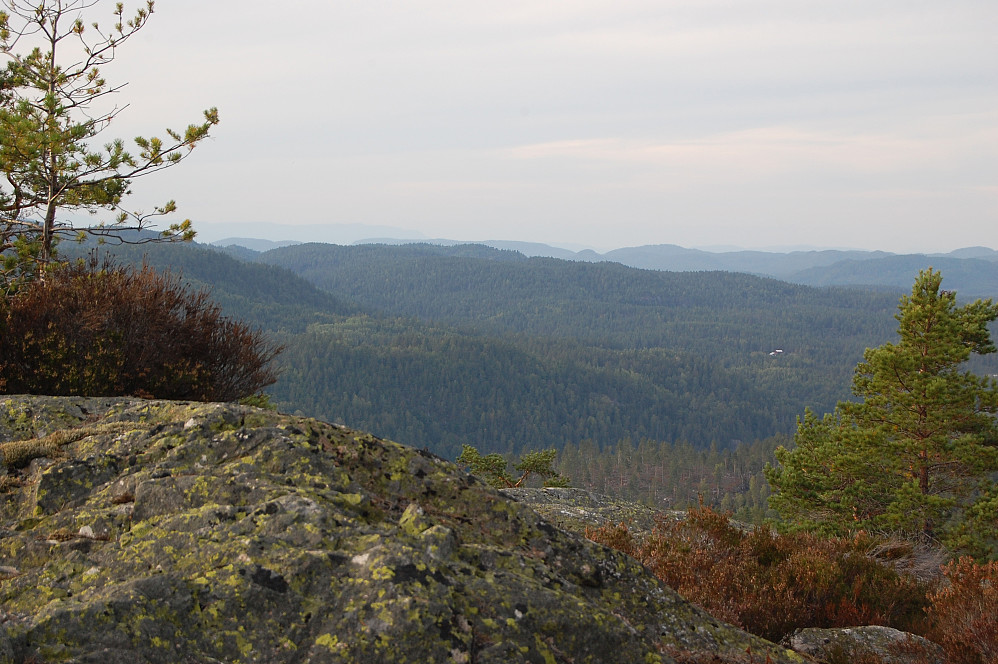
577,509
889,645
162,532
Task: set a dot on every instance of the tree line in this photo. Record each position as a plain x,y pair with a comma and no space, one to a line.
439,388
677,475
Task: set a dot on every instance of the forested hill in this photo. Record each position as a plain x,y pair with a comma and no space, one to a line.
724,319
435,387
264,295
442,346
970,277
971,271
514,352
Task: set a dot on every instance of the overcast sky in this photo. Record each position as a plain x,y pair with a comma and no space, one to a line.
607,123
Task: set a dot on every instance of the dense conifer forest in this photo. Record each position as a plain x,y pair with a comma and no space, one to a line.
677,475
660,386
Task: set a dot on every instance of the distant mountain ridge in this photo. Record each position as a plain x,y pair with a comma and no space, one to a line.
820,267
970,277
761,263
254,244
971,271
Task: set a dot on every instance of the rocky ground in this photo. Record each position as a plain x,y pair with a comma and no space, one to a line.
139,531
576,510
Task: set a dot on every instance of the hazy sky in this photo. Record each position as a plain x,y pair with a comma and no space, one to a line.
866,123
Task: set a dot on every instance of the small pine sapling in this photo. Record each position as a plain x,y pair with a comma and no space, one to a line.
492,468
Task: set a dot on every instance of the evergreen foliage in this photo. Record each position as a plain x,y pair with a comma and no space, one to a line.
916,453
441,388
693,349
493,468
55,103
660,424
722,321
107,331
680,475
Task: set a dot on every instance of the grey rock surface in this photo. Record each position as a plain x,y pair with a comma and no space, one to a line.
162,532
576,509
891,646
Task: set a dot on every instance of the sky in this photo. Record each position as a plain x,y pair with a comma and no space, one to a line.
867,124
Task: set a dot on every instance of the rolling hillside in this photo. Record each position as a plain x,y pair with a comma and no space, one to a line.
441,346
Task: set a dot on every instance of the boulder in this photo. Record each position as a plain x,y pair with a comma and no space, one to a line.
578,509
888,645
161,532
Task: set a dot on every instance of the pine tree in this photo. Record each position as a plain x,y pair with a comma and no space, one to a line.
915,454
492,468
54,101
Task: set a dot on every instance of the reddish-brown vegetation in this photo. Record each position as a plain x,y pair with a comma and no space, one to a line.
965,613
110,331
771,584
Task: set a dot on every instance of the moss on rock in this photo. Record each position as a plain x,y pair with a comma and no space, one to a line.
169,531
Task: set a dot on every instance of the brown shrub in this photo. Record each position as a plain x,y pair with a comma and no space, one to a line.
113,331
965,613
771,584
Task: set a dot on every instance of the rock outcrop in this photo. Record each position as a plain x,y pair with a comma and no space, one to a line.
161,532
850,644
576,510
